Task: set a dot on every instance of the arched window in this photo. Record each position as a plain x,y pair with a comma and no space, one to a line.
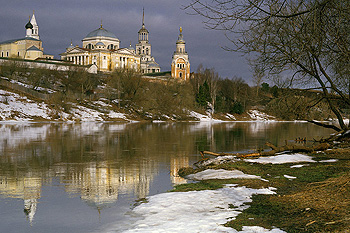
110,47
180,74
139,50
147,51
89,46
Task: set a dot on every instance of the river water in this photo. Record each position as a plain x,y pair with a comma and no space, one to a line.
62,177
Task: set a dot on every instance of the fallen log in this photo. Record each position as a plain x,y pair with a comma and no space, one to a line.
274,149
202,153
294,148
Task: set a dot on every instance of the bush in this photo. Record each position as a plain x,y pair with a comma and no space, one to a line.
237,108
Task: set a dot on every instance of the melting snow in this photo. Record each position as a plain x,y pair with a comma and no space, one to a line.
290,177
221,174
328,161
20,108
195,211
283,158
259,116
299,165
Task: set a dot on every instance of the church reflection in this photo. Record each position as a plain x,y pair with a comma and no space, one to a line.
26,188
175,164
100,184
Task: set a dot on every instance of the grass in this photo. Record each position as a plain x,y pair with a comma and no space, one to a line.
318,200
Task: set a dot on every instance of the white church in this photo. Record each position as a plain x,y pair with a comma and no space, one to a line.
102,48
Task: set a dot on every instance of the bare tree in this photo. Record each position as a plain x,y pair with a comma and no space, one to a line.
258,76
307,40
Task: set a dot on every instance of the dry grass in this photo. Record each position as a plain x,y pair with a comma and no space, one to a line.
326,205
317,201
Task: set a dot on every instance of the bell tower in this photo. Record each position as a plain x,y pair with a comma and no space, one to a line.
180,65
32,28
144,49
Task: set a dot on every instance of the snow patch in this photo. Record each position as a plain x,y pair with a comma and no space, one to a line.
329,161
220,174
299,165
290,177
260,116
202,117
283,158
195,211
20,108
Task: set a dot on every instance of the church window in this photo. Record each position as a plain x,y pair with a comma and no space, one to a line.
17,53
139,50
104,57
180,74
7,54
2,54
111,46
147,52
89,46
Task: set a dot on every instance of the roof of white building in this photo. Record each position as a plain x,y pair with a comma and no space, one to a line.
101,32
15,40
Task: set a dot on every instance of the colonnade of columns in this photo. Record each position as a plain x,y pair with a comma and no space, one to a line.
124,62
79,60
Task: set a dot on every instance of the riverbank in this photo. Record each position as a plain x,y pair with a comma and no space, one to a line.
311,193
17,107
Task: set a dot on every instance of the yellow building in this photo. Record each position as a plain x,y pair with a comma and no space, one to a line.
101,48
30,47
180,65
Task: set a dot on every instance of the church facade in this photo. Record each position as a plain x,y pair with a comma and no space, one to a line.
180,65
30,47
102,48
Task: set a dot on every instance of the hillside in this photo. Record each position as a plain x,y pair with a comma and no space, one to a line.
18,105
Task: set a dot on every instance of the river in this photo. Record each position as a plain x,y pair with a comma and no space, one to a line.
59,177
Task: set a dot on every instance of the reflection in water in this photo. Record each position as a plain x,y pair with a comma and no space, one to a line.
26,188
98,162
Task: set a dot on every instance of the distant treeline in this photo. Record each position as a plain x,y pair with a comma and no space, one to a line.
159,99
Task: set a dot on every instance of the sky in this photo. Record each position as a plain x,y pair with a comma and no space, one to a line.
63,21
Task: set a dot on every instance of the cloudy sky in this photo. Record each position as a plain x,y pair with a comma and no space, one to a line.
63,21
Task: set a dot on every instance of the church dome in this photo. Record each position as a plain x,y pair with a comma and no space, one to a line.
143,30
101,32
29,25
